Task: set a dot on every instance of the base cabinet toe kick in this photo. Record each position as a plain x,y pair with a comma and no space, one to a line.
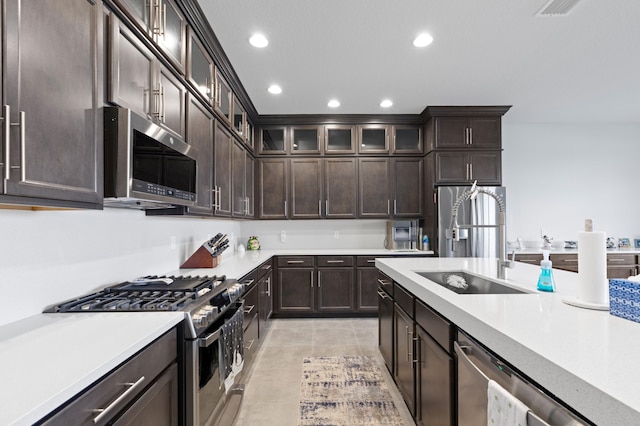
444,374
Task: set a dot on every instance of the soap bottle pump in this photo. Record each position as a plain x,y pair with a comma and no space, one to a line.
545,281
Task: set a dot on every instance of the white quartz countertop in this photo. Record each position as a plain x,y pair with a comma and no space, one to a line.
47,359
240,264
587,358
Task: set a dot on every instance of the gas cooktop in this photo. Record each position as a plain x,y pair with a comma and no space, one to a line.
150,293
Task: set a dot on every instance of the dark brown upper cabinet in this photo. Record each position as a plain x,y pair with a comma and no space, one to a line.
339,139
408,178
373,139
200,134
52,87
374,190
460,132
239,117
163,23
341,188
273,175
306,140
476,127
137,80
462,168
406,140
223,97
273,140
200,69
306,188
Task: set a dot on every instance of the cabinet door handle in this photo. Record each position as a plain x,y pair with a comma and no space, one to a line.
162,99
335,261
470,171
105,411
163,30
395,210
467,171
6,126
326,208
285,208
387,207
470,135
248,311
311,272
269,286
319,207
409,342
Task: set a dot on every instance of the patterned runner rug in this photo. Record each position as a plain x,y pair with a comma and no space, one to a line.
345,390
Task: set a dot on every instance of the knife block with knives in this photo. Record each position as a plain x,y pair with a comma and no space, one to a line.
208,254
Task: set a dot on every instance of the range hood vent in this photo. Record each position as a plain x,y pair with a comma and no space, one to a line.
557,7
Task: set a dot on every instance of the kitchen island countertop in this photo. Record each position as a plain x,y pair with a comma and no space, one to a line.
586,358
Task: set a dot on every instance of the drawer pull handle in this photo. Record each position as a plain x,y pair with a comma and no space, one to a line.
104,411
615,259
335,261
383,282
371,261
250,345
570,260
383,295
248,282
248,311
294,261
266,267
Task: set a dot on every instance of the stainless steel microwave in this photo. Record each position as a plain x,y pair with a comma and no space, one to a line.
145,166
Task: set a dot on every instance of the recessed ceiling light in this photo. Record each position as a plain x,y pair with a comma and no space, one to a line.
423,40
386,103
274,89
333,103
258,40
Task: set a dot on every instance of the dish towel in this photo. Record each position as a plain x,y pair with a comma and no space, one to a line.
504,409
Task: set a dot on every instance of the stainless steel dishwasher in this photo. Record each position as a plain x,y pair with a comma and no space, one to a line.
476,366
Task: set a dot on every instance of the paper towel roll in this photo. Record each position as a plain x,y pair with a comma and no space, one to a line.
592,267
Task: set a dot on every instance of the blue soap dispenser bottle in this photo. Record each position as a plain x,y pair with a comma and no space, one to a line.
545,281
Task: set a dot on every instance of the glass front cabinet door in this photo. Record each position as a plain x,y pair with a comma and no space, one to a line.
339,139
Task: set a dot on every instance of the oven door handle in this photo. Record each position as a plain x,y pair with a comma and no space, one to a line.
206,341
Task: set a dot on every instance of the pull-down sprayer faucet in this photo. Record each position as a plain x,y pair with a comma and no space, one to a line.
503,261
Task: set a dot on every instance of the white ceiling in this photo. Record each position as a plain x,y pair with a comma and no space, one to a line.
583,67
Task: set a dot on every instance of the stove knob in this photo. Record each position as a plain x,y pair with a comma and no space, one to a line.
198,320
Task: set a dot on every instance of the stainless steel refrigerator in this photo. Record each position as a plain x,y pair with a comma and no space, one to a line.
483,210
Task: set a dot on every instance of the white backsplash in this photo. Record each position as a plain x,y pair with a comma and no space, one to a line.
50,256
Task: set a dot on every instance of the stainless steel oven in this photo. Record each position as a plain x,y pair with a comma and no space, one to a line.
213,366
211,353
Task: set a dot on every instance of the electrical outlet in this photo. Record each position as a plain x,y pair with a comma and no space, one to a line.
173,242
283,236
336,234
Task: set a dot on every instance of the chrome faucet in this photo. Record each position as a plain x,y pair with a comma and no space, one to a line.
503,260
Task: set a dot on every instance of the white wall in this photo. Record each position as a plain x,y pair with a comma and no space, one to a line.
321,234
51,256
557,175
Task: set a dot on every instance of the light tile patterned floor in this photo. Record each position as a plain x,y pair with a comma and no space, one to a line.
272,392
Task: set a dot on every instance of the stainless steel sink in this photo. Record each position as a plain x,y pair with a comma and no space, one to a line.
464,283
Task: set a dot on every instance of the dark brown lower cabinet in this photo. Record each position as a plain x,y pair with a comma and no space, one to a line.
385,328
265,290
403,354
335,290
143,390
366,290
434,379
295,290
